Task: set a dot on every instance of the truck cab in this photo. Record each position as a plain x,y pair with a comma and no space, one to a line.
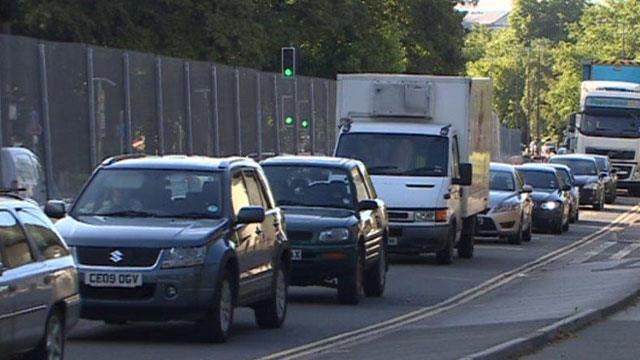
426,143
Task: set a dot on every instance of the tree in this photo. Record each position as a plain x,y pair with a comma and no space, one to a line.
534,19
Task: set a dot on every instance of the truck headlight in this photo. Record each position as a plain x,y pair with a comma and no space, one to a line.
184,257
424,216
506,206
549,205
591,186
334,235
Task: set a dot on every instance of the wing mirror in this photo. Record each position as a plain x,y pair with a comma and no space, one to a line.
571,124
250,215
367,205
527,189
466,172
55,209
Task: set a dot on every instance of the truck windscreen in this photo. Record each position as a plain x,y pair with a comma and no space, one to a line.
624,125
397,154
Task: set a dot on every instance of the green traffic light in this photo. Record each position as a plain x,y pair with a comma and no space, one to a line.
304,124
289,120
288,72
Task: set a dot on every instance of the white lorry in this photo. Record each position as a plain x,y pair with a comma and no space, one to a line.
426,141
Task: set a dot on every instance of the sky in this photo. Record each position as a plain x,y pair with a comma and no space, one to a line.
500,5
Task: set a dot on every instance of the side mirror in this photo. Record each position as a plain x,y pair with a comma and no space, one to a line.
571,124
527,189
367,205
55,209
250,215
566,188
466,172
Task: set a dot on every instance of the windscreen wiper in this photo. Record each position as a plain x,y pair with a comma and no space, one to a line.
126,213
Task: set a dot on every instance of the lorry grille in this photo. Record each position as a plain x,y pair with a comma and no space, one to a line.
624,172
613,154
117,257
400,216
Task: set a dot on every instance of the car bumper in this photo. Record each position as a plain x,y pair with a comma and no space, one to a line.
152,301
588,197
319,263
498,224
543,219
412,239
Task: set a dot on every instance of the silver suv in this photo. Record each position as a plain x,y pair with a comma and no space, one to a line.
39,298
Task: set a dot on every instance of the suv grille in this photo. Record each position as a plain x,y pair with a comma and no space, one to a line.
613,154
129,257
299,235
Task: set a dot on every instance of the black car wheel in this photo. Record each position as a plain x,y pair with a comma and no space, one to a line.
51,347
445,256
376,277
350,287
272,312
216,325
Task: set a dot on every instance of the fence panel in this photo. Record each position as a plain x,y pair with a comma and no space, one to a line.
175,125
145,135
270,123
201,108
227,110
249,111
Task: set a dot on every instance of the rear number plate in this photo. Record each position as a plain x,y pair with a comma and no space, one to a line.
109,279
393,241
296,254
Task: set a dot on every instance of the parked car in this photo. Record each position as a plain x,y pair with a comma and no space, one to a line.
551,197
39,300
510,206
336,224
177,237
610,177
567,178
585,172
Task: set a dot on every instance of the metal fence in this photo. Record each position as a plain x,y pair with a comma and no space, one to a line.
74,105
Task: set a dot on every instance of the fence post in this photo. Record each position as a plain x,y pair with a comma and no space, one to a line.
44,96
296,110
160,105
326,116
236,74
187,102
214,100
277,114
312,101
127,103
92,107
259,113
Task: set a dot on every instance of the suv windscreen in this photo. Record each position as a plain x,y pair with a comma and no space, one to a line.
540,180
397,154
502,181
310,186
152,193
578,166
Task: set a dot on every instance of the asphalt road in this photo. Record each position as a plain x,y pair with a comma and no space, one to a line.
314,314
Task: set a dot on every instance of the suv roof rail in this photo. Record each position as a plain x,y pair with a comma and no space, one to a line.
116,158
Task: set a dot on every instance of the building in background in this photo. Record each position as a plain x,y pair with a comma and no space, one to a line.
493,14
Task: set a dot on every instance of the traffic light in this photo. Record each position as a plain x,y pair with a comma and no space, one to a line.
288,60
305,124
289,121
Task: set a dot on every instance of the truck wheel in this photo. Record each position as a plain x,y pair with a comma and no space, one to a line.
467,239
376,277
272,312
350,285
51,347
216,325
445,256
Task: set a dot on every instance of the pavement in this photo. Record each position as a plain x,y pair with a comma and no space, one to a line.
589,277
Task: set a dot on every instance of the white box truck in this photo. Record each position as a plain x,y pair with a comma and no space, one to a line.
426,141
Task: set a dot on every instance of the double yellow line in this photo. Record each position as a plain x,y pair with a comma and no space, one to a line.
378,329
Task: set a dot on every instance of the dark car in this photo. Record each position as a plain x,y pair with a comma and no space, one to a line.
39,300
567,177
335,222
609,177
551,198
176,237
585,172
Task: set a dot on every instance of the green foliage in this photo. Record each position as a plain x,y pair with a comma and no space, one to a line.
549,19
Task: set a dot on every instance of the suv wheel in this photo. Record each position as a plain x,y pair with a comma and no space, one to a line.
51,347
272,312
350,285
445,256
376,277
217,323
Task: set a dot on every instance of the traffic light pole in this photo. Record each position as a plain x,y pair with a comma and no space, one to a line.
296,129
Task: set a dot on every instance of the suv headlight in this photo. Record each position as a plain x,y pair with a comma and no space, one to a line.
591,186
550,205
332,235
184,256
506,206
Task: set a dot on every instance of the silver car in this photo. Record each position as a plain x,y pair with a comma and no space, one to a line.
567,177
39,298
510,206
